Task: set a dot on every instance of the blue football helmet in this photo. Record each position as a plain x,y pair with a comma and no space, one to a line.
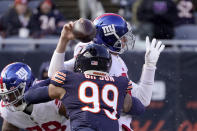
114,32
15,79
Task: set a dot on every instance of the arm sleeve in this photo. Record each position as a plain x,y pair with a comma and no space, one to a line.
143,91
57,61
69,65
56,64
137,107
37,95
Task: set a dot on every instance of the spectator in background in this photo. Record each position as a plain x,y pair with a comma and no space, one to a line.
185,12
15,22
159,16
46,20
186,27
90,9
43,72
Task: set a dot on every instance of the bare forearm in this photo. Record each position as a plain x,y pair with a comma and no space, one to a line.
127,103
9,127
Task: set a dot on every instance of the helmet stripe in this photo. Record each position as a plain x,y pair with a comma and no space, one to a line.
107,14
1,83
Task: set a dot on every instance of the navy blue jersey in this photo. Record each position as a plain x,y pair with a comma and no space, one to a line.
93,101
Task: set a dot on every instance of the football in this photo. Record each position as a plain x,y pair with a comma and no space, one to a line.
84,30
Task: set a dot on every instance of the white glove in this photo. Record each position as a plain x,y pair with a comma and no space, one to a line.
153,50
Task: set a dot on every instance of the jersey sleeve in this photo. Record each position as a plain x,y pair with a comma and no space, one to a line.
56,104
4,112
69,65
60,78
42,82
129,86
57,63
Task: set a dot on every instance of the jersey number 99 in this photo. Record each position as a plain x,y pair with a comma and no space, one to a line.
95,98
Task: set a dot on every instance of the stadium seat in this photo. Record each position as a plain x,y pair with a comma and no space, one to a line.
16,47
186,32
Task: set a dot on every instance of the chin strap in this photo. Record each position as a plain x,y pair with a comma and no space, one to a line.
96,73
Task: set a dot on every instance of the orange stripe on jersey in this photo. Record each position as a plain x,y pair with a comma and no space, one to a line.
60,77
61,74
58,81
130,87
130,83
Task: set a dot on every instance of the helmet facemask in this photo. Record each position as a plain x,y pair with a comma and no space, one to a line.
13,99
126,42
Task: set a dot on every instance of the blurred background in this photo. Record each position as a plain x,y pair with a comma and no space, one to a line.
29,32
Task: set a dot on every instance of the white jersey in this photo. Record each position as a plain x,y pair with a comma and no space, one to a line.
44,117
118,67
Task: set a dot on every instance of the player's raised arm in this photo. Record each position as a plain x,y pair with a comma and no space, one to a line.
57,60
84,31
144,90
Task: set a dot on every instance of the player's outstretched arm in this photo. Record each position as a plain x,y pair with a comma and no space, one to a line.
57,60
144,90
127,103
133,106
137,107
43,94
9,127
39,93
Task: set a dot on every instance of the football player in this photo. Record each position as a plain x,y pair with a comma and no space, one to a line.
16,78
115,33
93,99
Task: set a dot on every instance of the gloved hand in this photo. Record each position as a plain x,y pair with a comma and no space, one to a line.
153,50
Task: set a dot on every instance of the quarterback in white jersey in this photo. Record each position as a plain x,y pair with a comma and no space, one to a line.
143,90
50,116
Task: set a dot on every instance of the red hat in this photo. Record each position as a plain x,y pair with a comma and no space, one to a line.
21,2
48,2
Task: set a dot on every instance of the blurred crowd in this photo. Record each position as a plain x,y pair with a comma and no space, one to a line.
21,21
162,19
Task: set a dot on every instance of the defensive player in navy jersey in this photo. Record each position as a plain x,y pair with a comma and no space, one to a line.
92,98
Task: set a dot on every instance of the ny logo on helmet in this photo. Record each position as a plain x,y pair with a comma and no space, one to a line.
22,73
110,30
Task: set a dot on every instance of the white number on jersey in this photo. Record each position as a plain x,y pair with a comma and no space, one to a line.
49,126
95,100
47,22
